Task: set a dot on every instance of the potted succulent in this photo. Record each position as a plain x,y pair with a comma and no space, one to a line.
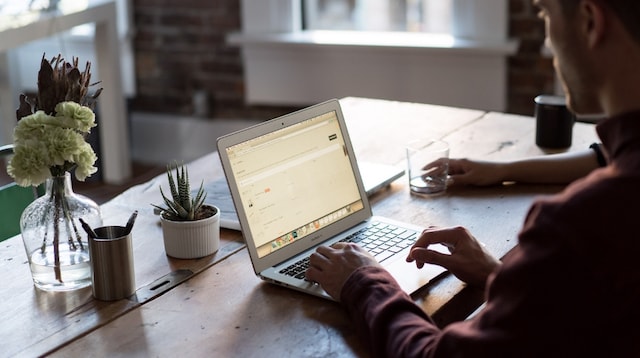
190,228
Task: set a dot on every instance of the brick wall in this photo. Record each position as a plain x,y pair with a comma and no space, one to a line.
180,51
530,73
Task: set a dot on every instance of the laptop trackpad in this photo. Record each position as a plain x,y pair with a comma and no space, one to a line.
410,277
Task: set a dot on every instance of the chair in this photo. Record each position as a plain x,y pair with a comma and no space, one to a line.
13,200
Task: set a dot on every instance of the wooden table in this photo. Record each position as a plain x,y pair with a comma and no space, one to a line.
21,29
220,308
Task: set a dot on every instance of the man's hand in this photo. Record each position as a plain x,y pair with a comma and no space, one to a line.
468,261
331,266
471,172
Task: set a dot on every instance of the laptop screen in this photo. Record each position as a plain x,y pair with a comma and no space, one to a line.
294,181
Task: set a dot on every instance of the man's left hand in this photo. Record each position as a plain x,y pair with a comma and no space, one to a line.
332,266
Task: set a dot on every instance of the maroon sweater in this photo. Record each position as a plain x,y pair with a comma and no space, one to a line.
571,287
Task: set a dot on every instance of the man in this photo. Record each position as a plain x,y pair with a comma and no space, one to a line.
571,287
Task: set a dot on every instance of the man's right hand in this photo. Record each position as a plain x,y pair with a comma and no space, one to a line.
468,259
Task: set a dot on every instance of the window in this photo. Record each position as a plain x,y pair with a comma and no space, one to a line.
300,52
433,16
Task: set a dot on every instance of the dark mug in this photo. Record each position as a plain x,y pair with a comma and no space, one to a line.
554,122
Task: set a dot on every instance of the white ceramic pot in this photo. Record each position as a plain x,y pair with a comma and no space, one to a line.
191,239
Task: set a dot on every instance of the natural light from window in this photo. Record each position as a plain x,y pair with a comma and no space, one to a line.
431,16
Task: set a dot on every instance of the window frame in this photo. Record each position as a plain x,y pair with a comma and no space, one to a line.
483,21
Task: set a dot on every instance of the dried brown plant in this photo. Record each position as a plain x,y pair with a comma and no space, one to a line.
59,81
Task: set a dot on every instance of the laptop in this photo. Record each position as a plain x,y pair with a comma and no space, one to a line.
375,176
295,185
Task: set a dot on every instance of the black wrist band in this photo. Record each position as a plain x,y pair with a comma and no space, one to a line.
601,160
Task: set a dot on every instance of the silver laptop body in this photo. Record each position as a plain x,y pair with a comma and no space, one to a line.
295,185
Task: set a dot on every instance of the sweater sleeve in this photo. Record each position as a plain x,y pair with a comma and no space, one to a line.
386,317
392,325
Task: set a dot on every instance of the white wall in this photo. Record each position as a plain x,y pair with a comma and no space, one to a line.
298,75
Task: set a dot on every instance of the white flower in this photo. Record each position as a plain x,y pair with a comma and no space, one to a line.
85,160
76,116
47,145
29,166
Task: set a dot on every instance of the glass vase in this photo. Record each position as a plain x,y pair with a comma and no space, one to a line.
56,245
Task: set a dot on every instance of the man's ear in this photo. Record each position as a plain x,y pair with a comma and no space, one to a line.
593,21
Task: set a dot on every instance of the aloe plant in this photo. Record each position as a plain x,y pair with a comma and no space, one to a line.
181,206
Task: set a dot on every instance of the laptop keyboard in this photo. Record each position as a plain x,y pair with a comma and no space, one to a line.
382,240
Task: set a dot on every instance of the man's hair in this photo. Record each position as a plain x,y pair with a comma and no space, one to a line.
628,11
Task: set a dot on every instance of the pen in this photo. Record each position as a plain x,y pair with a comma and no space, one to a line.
130,222
88,229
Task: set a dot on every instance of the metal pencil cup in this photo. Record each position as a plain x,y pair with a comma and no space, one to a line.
112,271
